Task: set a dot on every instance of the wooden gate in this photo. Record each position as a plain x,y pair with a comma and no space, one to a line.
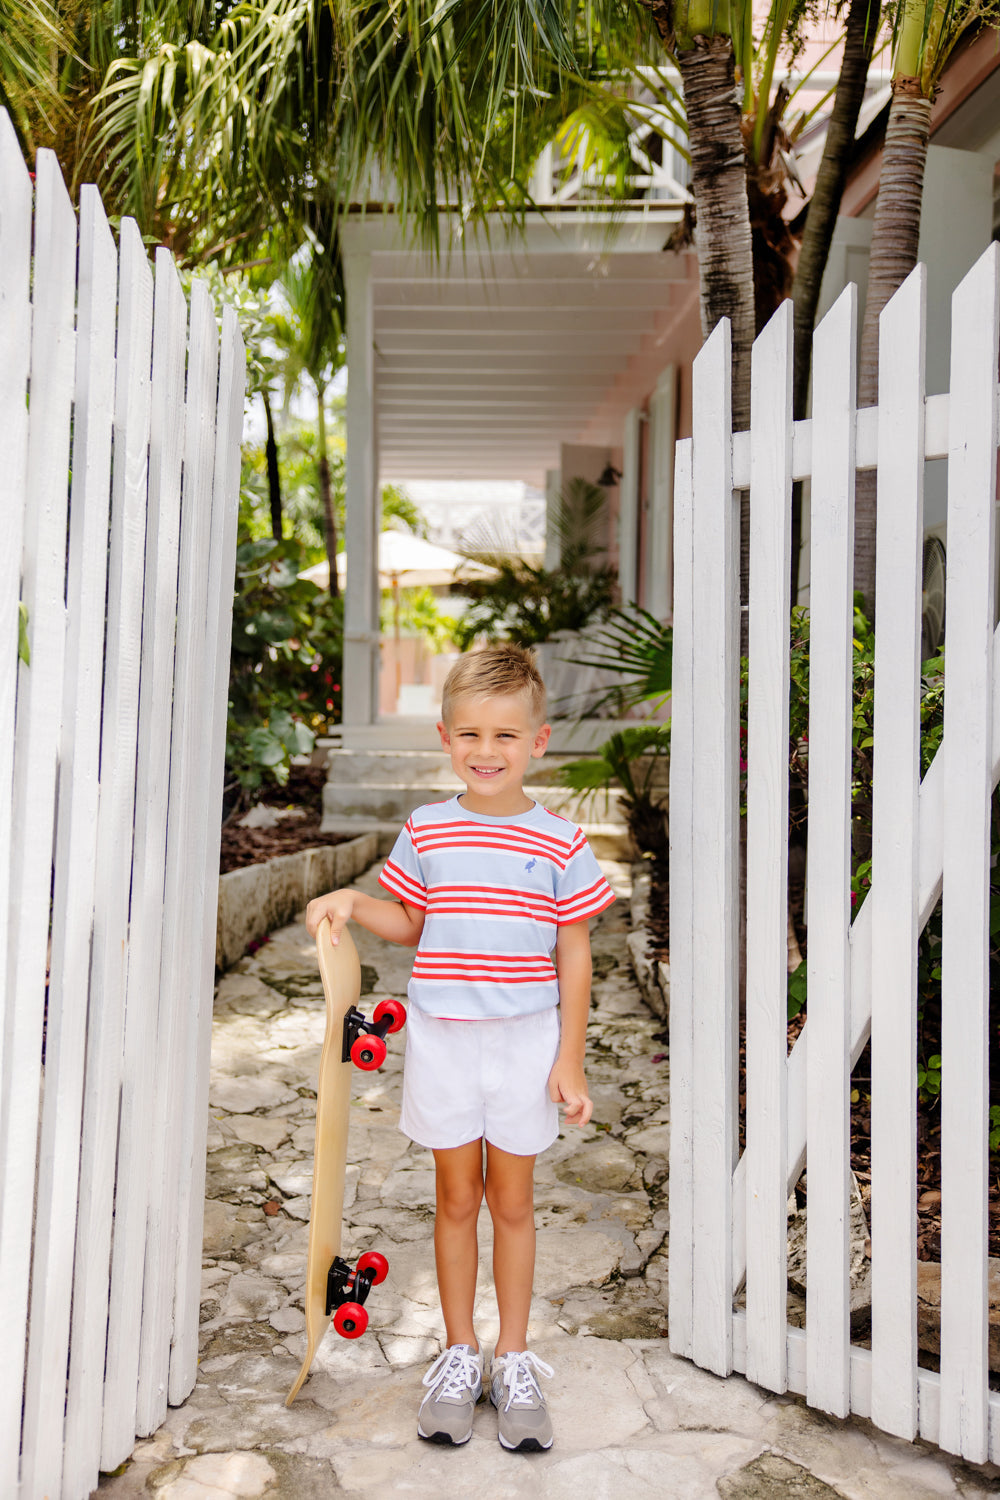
119,477
931,839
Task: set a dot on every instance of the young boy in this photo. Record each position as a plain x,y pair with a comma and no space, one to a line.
495,893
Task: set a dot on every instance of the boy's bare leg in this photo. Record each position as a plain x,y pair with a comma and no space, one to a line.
510,1196
459,1185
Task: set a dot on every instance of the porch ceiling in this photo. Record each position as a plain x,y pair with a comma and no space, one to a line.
491,356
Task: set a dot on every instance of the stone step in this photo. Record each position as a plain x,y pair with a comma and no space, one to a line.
385,801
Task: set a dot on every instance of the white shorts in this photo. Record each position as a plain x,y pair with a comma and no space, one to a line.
466,1079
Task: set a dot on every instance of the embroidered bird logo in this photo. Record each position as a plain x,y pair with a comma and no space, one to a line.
531,864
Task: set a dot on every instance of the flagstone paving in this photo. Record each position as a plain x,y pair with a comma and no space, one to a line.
629,1418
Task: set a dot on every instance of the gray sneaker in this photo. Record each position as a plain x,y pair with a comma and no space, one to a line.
455,1384
524,1422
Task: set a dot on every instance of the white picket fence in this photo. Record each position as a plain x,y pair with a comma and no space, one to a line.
119,477
729,1212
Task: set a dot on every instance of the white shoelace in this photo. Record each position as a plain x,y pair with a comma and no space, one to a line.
522,1384
456,1371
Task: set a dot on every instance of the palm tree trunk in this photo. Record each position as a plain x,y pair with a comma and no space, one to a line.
824,205
273,476
895,235
326,496
719,185
821,216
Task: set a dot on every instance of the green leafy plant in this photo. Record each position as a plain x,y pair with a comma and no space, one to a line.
285,670
633,759
23,643
528,603
640,648
929,1077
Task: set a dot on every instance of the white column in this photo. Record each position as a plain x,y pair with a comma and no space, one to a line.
628,511
658,570
361,633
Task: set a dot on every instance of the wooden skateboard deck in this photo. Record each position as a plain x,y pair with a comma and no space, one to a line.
340,970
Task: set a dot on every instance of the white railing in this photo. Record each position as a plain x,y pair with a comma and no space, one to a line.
729,1213
119,476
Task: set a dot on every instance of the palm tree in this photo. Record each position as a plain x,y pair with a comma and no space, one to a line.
861,33
309,332
925,34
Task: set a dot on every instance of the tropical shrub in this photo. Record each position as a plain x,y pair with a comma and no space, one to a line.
633,759
285,671
528,603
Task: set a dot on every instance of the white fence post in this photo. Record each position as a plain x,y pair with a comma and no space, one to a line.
767,847
109,967
831,610
715,844
896,781
965,982
75,856
681,1289
140,1059
187,882
39,716
218,637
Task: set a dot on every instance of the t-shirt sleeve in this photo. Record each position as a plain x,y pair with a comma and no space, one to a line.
401,873
581,889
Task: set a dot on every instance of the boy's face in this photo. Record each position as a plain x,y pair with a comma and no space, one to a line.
491,741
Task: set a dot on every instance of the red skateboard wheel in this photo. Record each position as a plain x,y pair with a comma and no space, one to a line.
350,1320
394,1008
368,1052
373,1261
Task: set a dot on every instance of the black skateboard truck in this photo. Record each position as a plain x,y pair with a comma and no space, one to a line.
364,1040
347,1289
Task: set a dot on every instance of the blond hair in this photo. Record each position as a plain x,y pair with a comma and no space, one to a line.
495,671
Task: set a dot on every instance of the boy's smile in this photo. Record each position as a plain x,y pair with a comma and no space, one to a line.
491,741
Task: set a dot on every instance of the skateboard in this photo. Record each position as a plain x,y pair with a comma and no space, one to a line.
335,1288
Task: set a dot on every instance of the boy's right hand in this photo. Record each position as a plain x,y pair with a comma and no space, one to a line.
337,906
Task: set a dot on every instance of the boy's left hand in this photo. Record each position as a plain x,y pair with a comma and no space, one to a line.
567,1085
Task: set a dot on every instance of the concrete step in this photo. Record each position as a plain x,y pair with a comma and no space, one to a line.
385,801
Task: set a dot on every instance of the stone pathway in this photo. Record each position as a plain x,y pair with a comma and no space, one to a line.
630,1420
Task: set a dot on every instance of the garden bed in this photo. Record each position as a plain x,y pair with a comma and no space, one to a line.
254,846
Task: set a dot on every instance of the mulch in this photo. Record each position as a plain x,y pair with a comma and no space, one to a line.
254,846
928,1113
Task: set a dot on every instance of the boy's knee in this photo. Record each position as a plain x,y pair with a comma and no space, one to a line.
509,1205
460,1200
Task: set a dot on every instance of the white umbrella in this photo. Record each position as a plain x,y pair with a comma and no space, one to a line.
407,561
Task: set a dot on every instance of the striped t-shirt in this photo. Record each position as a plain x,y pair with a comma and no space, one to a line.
494,891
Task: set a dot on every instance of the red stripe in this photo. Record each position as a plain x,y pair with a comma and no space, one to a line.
403,881
426,847
499,958
544,919
403,876
402,892
482,895
487,830
497,890
465,978
567,919
566,903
